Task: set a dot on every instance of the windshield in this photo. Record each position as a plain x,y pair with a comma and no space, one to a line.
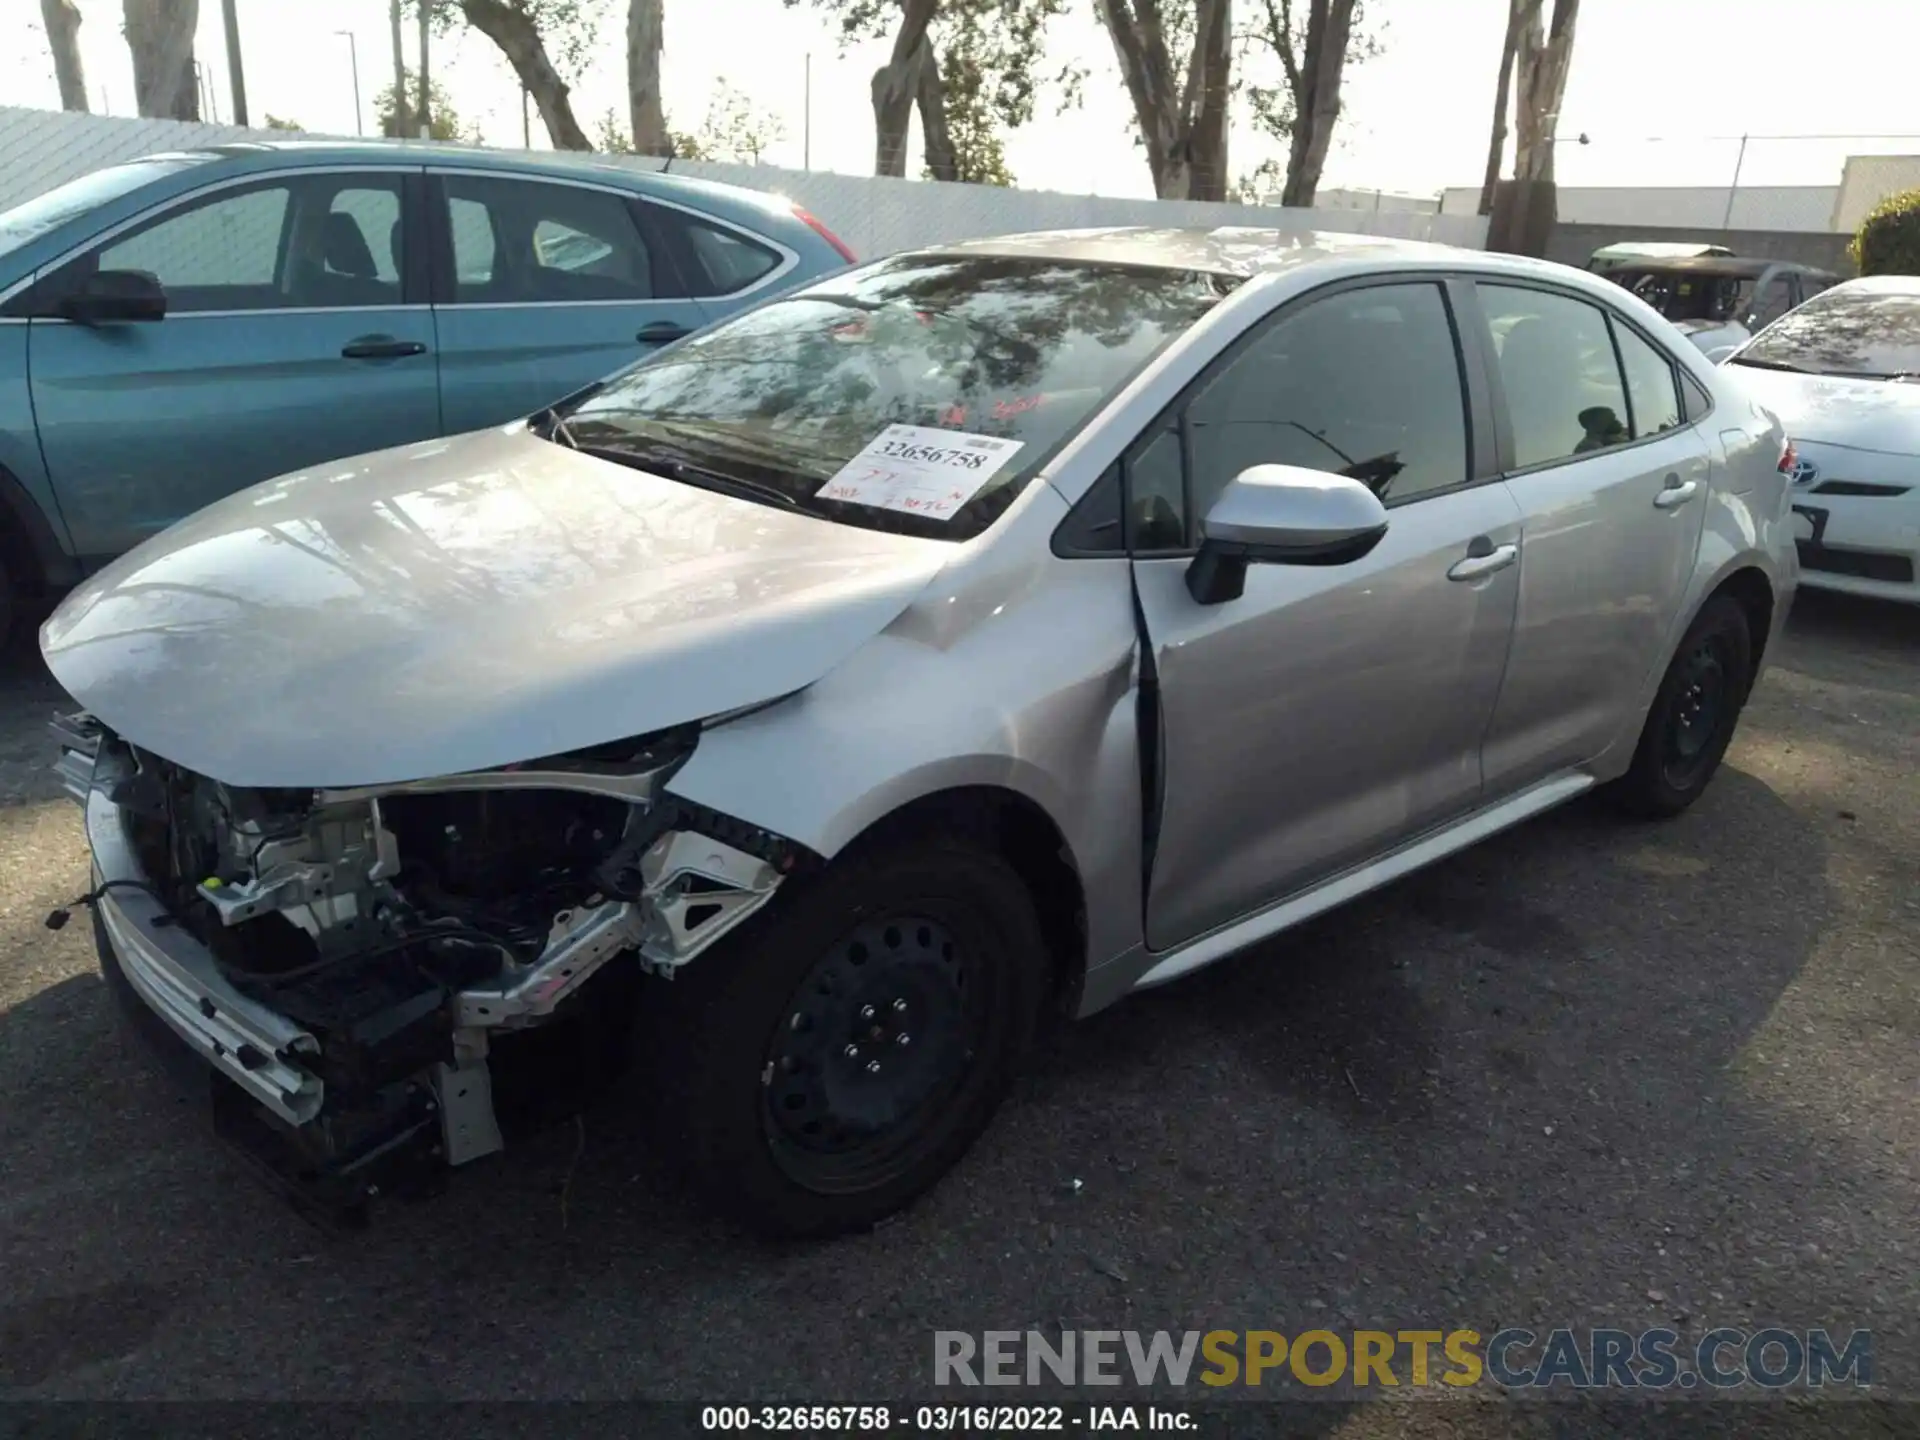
1873,334
918,395
44,212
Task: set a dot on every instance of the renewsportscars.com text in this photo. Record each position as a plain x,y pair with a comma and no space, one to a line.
1656,1359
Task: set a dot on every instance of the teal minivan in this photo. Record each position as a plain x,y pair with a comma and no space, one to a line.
178,327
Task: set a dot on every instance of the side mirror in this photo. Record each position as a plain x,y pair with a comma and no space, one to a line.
1282,515
110,296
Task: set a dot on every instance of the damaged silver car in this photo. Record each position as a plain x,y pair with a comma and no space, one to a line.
809,710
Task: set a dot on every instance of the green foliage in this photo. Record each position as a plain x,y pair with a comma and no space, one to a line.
1888,241
398,122
1280,35
570,29
733,132
274,122
989,52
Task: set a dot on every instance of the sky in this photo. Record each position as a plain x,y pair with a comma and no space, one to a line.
1661,88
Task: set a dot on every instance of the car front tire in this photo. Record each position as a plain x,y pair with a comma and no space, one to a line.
827,1064
1693,716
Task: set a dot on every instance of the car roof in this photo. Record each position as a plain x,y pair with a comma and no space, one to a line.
1234,250
1878,285
643,174
1742,267
1659,250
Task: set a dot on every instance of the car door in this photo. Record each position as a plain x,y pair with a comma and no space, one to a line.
1612,485
544,285
1331,711
296,331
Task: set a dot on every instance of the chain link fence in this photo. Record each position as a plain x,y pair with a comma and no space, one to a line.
874,215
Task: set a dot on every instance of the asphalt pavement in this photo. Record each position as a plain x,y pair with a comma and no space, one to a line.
1591,1073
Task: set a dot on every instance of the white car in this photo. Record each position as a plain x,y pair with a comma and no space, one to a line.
1842,373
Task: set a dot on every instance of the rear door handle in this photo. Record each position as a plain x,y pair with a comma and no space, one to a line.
1489,560
1676,492
661,332
381,347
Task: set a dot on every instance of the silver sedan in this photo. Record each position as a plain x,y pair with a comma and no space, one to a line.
807,711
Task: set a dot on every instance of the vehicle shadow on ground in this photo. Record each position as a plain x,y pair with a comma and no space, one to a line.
1409,1113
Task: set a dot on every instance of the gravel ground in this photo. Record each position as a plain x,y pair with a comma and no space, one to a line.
1589,1074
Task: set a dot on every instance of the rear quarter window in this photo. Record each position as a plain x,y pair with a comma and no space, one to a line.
725,262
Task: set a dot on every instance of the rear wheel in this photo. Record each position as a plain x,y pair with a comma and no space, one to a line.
1694,714
836,1057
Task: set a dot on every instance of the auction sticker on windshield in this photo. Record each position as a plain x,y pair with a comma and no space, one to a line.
919,470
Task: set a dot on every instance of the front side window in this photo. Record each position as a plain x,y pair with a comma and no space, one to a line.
1563,387
1365,384
1870,333
777,401
303,242
527,242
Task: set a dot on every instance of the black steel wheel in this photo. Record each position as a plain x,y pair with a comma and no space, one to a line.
1694,713
831,1060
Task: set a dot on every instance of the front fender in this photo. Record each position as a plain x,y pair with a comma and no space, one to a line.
1037,695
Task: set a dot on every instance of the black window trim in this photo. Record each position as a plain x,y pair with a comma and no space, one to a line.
1470,357
636,200
26,298
1503,423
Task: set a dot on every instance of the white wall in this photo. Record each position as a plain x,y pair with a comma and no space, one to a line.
1869,179
1800,208
40,149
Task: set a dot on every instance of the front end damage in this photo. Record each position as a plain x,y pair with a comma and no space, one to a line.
351,959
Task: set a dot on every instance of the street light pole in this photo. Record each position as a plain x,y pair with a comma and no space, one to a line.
806,125
353,59
1726,221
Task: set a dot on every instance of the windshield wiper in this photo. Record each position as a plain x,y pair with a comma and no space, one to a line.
1771,365
663,460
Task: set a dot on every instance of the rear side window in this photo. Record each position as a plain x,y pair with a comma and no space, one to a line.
719,261
1365,384
1565,396
1651,391
526,242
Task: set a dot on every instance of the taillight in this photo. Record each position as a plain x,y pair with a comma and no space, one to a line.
813,224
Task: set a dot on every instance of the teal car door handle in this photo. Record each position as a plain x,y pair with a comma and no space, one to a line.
381,347
661,332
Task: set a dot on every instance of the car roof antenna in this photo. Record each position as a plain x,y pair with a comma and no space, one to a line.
673,153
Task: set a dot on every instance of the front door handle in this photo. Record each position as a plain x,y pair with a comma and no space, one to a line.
661,332
1483,560
381,347
1676,492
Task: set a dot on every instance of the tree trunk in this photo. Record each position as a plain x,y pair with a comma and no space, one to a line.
646,34
423,120
1502,96
896,85
514,32
1540,70
399,71
160,38
1316,97
1209,97
1184,130
62,19
931,93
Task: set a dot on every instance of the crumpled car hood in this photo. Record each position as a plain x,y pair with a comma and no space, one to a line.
463,604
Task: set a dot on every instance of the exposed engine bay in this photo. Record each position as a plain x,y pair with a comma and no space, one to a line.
398,932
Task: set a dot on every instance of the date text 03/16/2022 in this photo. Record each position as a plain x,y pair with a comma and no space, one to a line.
942,1419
